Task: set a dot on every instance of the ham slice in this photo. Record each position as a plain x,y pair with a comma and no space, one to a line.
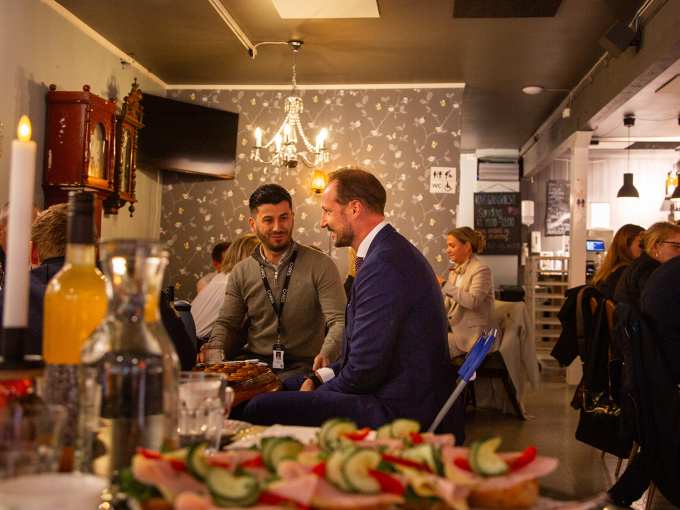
191,501
327,496
301,489
540,466
160,474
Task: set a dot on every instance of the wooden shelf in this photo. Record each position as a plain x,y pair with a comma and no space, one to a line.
545,289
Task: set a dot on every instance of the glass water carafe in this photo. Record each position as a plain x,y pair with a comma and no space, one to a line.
129,369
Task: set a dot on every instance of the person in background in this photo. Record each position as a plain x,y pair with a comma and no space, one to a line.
661,243
218,252
206,307
394,359
469,292
281,271
659,307
624,249
4,218
48,248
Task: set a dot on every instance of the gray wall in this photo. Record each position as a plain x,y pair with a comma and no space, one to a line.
398,134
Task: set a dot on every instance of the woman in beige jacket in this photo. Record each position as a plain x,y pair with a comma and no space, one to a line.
469,292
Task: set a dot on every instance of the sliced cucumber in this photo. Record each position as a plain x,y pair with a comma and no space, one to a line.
401,428
384,432
197,460
229,490
483,458
428,454
279,449
355,470
334,468
330,434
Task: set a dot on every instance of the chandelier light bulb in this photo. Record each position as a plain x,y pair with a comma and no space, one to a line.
277,140
258,137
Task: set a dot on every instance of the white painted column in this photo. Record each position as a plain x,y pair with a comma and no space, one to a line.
579,143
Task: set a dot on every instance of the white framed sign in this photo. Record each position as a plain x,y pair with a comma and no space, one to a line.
443,179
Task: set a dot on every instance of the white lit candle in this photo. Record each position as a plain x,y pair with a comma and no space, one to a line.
258,137
277,140
323,136
21,184
319,142
286,133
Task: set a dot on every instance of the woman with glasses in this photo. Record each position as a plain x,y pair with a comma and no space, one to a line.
661,243
625,247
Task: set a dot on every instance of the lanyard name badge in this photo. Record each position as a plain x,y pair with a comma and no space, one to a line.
278,349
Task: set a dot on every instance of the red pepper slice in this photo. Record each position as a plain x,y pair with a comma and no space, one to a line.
388,483
257,462
357,435
415,437
219,463
149,454
320,470
178,465
523,459
406,462
462,463
267,498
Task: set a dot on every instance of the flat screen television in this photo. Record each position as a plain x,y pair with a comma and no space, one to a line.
187,137
592,245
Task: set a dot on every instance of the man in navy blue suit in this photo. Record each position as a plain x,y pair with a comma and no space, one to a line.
395,360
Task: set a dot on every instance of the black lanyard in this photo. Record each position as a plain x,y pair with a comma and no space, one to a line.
278,310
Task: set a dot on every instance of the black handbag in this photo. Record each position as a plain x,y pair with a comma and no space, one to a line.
600,419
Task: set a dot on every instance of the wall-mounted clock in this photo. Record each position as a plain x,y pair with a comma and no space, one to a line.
79,146
125,167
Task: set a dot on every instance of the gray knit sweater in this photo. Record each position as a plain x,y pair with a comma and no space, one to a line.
315,303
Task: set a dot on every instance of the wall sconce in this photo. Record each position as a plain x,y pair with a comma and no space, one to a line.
527,212
318,182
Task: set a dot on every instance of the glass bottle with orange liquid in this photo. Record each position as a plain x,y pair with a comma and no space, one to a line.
75,303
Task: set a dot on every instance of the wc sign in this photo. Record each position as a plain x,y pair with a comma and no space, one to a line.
442,179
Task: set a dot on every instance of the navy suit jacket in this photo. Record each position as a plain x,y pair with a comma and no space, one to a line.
395,337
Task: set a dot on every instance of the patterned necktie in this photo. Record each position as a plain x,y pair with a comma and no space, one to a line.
357,264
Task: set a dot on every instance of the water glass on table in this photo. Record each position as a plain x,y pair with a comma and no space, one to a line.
31,438
204,402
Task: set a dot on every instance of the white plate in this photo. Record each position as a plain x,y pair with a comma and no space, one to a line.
49,491
231,427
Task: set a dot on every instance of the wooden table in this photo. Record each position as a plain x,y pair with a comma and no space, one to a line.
241,395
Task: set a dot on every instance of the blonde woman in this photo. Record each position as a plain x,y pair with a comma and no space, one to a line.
661,243
469,292
206,307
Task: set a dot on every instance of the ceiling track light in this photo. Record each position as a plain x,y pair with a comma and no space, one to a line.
234,27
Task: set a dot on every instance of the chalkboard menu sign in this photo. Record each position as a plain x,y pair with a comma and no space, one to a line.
557,212
498,217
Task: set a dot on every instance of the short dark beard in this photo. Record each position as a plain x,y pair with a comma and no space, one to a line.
271,247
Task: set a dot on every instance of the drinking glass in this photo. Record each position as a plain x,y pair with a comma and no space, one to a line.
31,438
204,401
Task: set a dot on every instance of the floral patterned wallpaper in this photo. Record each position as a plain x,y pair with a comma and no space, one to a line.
397,134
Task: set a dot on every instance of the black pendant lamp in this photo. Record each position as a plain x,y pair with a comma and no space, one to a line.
628,190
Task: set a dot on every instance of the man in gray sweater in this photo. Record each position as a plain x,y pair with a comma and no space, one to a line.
306,333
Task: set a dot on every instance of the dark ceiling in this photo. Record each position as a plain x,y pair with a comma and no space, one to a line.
185,42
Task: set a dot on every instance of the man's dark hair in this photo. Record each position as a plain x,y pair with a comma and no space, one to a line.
358,184
269,194
219,249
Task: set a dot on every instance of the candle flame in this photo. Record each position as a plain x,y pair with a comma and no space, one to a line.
24,129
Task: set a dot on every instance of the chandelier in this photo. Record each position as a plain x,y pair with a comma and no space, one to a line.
285,140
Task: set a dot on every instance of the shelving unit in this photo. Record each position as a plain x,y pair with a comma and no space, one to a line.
546,280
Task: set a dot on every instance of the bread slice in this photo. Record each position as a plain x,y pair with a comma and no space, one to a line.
522,495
